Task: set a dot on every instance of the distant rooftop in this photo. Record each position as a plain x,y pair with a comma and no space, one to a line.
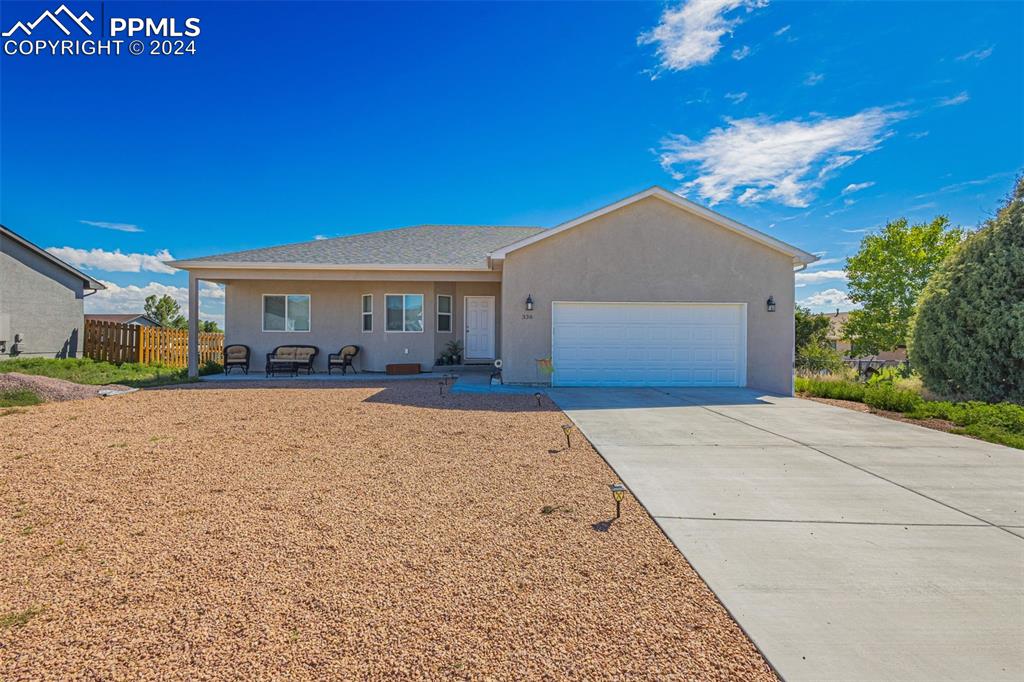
460,246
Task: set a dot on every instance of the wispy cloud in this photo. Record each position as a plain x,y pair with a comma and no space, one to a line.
120,227
957,186
978,55
813,276
132,298
825,261
856,187
767,160
954,100
690,34
114,261
859,230
782,30
919,134
735,97
741,53
828,299
319,237
814,78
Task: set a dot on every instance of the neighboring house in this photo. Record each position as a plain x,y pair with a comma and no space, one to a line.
140,319
650,290
41,301
836,321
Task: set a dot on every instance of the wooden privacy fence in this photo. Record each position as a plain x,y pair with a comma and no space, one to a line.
118,342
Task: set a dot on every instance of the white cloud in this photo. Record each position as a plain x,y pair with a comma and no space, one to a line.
856,187
814,78
919,135
120,227
735,97
767,160
741,53
132,298
825,261
114,261
858,231
954,100
319,237
977,54
829,299
820,276
783,30
691,34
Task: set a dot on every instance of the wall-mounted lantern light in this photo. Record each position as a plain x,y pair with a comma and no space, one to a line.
618,492
529,302
771,304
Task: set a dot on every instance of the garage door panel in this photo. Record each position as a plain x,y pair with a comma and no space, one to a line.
623,344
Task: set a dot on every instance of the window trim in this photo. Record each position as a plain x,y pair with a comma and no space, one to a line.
363,313
263,315
403,330
450,314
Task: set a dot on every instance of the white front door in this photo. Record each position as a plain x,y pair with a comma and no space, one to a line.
479,327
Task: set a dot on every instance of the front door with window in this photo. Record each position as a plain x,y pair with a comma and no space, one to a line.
479,317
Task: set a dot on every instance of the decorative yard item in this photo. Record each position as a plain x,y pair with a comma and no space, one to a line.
454,351
618,492
567,429
545,367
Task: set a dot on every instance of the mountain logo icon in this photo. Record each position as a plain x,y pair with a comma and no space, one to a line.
69,17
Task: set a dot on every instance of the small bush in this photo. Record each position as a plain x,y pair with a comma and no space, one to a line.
830,388
210,367
885,396
19,397
814,358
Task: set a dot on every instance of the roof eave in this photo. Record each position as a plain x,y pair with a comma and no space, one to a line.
236,265
90,283
799,255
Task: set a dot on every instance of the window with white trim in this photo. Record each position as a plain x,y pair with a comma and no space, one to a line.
367,312
403,312
286,312
444,313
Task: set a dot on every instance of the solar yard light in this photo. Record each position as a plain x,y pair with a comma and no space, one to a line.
440,388
567,428
618,492
537,396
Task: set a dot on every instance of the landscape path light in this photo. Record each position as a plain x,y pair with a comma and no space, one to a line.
567,428
618,492
537,396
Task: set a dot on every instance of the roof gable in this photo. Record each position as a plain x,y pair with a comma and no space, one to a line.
90,283
799,256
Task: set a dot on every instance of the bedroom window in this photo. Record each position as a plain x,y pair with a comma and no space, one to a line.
286,312
444,313
404,312
367,312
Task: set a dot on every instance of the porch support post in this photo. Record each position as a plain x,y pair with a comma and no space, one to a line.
193,325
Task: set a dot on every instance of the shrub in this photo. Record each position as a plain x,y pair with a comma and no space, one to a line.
815,358
967,337
18,397
832,389
885,396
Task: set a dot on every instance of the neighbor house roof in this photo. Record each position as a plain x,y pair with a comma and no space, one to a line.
800,257
428,247
90,283
120,318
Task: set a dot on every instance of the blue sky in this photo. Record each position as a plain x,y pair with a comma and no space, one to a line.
814,122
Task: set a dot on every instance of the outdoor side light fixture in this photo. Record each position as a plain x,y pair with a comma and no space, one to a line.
529,302
618,492
771,304
567,428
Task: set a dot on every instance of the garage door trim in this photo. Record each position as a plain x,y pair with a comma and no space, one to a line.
741,342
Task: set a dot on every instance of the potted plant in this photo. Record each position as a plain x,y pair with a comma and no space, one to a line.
454,349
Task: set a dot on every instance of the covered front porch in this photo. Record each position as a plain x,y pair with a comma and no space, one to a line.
409,318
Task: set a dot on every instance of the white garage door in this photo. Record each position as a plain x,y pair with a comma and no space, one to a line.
648,344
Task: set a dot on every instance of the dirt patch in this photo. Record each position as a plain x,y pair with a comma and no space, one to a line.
52,390
365,531
932,423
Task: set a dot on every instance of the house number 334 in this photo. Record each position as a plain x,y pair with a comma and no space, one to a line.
527,316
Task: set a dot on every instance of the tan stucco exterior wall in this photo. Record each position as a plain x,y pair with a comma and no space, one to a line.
335,319
650,251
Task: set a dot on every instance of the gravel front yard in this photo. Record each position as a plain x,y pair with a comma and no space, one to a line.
357,532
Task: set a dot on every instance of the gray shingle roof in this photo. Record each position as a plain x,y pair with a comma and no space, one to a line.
444,245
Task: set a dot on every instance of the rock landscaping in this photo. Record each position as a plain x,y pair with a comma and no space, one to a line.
365,531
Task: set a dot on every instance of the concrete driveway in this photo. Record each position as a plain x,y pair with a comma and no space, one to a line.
848,546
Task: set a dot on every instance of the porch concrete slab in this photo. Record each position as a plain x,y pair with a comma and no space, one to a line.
982,479
788,482
862,602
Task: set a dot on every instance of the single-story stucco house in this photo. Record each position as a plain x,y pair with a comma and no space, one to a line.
140,319
651,290
42,301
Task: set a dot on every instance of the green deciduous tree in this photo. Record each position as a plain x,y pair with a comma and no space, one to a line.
166,311
886,277
209,326
967,336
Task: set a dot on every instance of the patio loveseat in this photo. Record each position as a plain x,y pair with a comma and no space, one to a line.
291,359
